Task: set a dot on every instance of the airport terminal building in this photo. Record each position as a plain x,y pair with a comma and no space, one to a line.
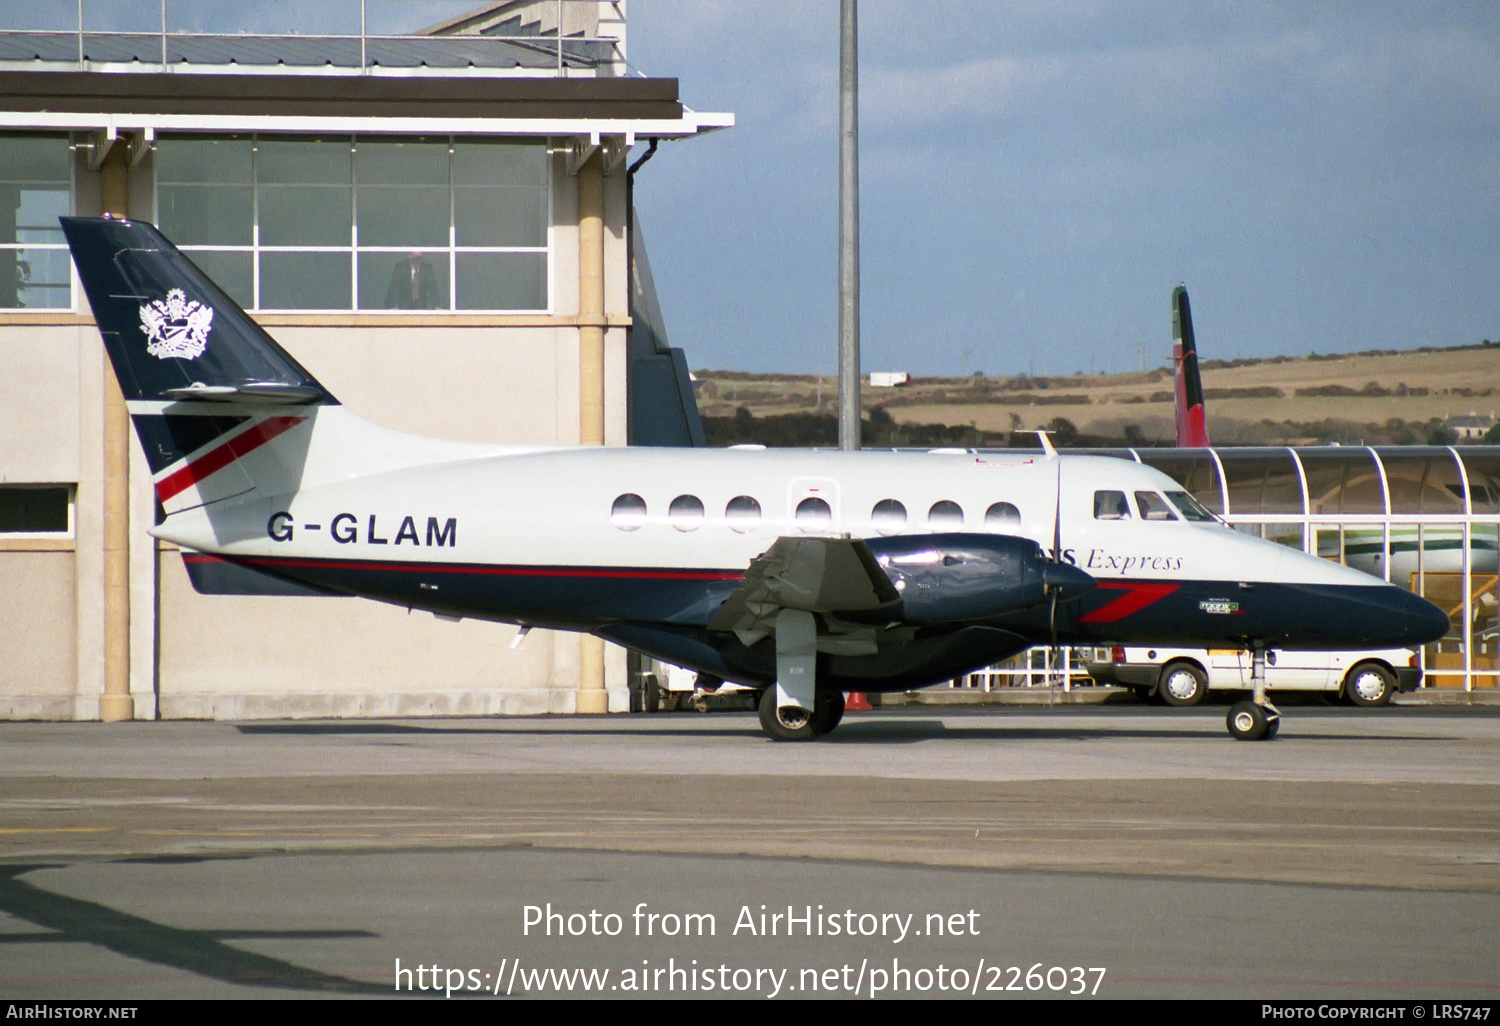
434,219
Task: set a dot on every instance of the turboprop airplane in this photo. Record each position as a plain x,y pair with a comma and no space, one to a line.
1437,548
802,573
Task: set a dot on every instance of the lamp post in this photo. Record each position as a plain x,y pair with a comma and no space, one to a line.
848,226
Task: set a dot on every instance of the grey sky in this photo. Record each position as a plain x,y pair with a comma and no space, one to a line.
1036,176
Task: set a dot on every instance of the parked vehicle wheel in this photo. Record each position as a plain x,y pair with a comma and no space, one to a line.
1369,685
1182,684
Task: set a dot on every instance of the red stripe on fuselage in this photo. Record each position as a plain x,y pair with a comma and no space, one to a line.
217,459
458,568
1137,597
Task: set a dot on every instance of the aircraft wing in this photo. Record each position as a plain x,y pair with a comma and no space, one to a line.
816,575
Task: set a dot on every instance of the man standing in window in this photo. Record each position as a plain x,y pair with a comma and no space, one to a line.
413,285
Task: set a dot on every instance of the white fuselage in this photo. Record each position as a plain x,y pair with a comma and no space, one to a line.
427,501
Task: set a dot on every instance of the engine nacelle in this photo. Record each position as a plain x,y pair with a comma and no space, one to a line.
957,577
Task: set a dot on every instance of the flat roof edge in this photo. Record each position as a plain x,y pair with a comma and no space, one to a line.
139,86
689,124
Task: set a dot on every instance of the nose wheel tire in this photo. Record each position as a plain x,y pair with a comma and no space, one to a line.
1248,721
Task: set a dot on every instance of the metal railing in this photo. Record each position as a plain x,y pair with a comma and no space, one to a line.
1040,667
343,39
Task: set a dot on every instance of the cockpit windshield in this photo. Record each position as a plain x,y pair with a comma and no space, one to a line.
1191,508
1153,507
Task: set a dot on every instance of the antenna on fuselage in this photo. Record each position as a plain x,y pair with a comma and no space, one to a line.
1045,438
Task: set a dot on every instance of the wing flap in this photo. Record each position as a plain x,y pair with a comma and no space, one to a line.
817,575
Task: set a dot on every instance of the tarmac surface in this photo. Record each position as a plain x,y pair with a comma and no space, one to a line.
1003,852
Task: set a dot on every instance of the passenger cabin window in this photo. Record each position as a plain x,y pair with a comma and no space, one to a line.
1111,506
628,512
1153,507
813,514
743,514
685,513
888,516
945,514
1002,516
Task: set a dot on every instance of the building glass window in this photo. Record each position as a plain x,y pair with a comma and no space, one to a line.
36,183
340,223
36,509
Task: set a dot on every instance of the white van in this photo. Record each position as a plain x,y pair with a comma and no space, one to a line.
1183,676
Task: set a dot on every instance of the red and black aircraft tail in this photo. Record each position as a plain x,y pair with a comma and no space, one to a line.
1192,427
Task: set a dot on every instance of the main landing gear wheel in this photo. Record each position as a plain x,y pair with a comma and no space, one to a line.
789,723
786,722
1248,721
828,710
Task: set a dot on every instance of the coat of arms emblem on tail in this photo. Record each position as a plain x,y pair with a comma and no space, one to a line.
176,326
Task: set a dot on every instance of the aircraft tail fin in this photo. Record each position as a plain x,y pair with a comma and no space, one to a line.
206,386
1192,425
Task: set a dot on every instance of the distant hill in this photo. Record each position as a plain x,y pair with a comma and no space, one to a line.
1386,397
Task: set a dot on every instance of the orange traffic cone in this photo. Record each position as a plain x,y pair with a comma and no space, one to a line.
855,701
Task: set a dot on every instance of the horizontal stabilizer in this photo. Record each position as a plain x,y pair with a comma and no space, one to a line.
255,393
214,576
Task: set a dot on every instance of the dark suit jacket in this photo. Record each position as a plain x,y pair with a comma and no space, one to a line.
398,295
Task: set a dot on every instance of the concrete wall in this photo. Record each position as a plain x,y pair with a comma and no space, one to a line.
50,620
242,657
37,631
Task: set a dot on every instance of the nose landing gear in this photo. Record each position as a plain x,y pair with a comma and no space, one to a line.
1250,722
1255,719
